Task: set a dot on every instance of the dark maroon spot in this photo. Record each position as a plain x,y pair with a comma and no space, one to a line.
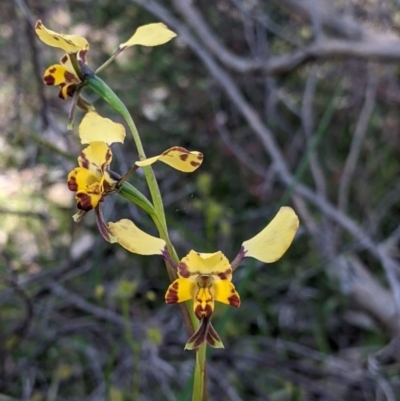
69,77
234,300
84,162
224,275
183,270
84,202
38,25
64,59
53,70
203,312
184,157
194,164
71,90
49,80
171,296
200,156
108,158
55,38
72,185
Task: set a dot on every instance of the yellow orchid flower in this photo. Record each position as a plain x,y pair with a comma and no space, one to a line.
67,74
205,278
92,180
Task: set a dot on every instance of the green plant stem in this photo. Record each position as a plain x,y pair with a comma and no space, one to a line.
200,375
102,89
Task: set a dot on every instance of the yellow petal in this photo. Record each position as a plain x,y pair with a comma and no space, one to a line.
180,290
272,242
214,264
203,304
179,158
224,291
95,128
68,43
96,158
150,35
135,240
87,188
57,74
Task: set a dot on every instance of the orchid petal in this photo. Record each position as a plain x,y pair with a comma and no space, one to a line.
135,240
96,158
224,292
150,35
272,242
178,158
68,43
95,128
180,290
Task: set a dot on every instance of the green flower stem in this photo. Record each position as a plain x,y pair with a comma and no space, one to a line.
200,375
102,89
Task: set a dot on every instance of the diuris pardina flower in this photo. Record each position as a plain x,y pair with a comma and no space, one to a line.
206,278
93,179
67,75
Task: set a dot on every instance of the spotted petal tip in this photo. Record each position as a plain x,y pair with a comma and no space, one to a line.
177,157
68,43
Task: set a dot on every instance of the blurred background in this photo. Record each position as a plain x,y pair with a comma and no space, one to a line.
293,102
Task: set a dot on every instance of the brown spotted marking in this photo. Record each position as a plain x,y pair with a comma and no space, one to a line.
171,297
56,38
108,157
200,156
64,59
83,161
234,300
72,184
205,311
184,157
84,201
225,275
194,164
49,80
183,270
39,25
69,77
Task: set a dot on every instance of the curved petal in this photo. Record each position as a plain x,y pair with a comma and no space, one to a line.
224,292
68,43
135,240
95,128
180,290
87,200
178,158
58,74
96,158
272,242
66,90
150,35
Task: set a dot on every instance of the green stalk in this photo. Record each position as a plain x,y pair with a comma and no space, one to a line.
103,90
200,375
